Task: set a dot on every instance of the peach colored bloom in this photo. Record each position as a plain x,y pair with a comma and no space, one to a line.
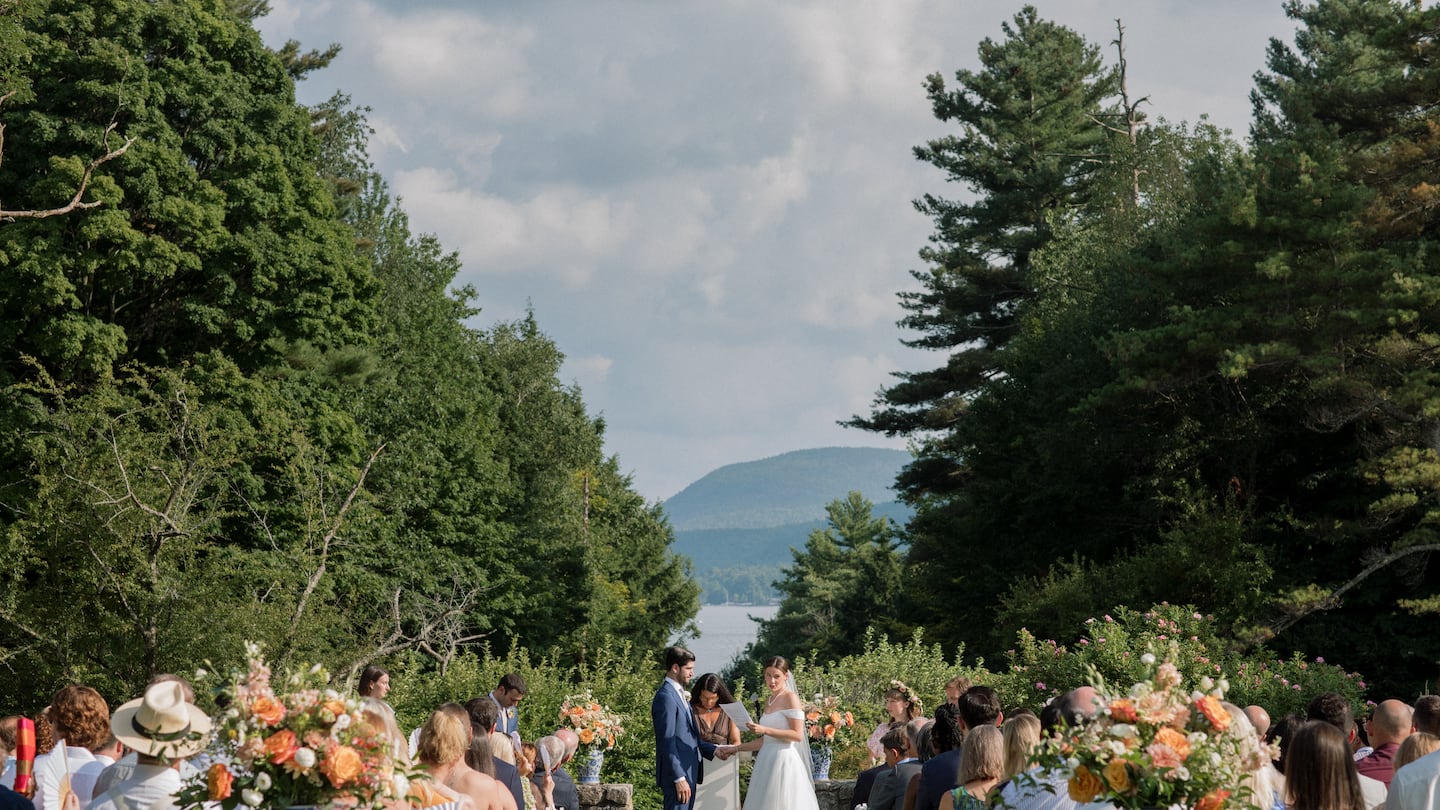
1084,786
342,766
1123,711
1117,775
267,710
1162,756
1214,712
219,781
281,746
1213,800
1174,740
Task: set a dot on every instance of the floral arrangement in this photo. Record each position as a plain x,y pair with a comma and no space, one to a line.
825,722
594,724
310,746
1157,745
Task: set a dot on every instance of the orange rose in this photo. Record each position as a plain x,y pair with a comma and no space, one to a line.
587,736
342,766
335,707
281,746
1084,785
1214,712
1213,800
1117,775
1173,739
268,711
1123,711
219,781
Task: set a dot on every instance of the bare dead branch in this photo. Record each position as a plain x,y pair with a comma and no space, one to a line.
339,520
75,203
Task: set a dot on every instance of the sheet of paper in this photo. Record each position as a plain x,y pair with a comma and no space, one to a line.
545,758
737,713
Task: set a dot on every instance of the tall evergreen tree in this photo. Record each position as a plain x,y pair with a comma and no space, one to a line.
1030,142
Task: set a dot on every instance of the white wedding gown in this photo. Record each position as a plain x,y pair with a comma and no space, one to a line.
781,777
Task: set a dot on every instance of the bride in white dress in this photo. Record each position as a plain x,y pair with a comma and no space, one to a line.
781,779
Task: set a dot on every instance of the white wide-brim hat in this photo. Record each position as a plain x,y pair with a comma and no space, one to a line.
162,724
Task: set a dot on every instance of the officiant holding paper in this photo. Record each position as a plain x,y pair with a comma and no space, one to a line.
721,788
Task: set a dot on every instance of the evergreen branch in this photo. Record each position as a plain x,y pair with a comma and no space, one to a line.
1332,600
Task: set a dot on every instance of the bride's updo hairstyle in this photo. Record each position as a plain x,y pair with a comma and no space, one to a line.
778,662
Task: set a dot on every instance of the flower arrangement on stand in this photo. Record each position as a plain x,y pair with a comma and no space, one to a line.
598,728
307,746
828,726
1157,745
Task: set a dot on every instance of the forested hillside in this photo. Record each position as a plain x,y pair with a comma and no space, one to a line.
738,524
1175,367
241,399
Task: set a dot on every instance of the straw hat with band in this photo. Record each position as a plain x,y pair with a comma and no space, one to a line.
162,724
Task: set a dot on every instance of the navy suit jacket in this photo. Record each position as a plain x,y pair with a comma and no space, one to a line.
678,746
509,775
566,795
939,775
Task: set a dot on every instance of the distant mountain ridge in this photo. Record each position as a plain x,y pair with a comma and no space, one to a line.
789,488
739,522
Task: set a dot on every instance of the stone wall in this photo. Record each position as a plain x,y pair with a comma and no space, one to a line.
607,797
834,794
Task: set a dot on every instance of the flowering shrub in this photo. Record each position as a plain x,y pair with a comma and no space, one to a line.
1039,670
826,722
594,724
1157,745
308,746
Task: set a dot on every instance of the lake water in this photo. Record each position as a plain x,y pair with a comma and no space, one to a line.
724,632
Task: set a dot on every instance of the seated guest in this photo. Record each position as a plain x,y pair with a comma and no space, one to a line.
1416,785
940,773
1021,734
484,714
980,706
1259,719
1389,724
1415,746
1320,770
163,729
1040,789
552,760
982,763
1334,709
890,784
81,721
443,741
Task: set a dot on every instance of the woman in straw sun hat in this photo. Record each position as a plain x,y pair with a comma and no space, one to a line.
162,729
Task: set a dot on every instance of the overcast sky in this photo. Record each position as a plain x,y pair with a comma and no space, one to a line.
708,204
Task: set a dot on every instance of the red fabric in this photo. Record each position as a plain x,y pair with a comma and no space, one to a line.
25,757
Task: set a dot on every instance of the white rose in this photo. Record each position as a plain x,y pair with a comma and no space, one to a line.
1224,685
252,798
1206,683
305,758
341,723
1122,730
1147,659
262,781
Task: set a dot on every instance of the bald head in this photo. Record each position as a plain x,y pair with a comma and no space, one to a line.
1390,723
1079,706
1259,718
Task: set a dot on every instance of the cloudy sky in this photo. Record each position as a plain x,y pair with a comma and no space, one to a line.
707,204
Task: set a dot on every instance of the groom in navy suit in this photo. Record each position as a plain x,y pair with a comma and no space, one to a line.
678,746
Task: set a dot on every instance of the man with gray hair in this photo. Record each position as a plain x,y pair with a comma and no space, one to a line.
551,750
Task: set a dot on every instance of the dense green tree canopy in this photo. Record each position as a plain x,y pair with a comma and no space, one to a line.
239,398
